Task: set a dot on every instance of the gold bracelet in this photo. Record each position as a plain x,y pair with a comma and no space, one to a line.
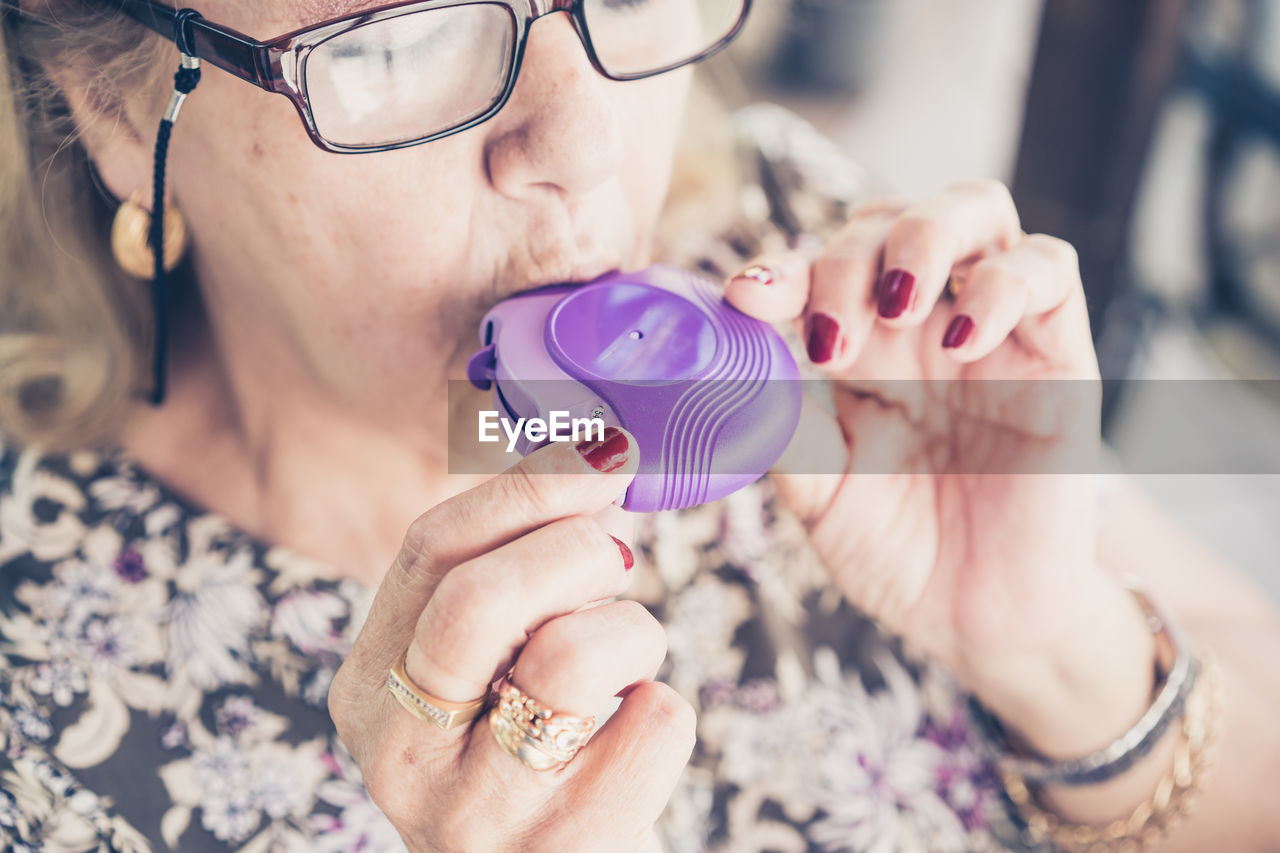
1173,798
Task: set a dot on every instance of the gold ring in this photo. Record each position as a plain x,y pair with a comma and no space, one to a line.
424,706
955,283
538,737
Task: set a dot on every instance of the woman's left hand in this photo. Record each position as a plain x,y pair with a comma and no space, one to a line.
954,522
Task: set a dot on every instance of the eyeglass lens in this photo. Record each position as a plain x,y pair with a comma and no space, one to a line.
424,72
410,76
634,36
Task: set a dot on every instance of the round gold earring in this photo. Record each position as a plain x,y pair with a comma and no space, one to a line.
129,232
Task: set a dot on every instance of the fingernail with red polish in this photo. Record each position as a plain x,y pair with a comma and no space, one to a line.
758,274
958,332
824,340
608,453
628,559
896,289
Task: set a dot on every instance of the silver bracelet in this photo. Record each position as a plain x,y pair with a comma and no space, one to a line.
1122,753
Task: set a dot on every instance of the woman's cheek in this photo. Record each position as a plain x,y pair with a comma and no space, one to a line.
653,118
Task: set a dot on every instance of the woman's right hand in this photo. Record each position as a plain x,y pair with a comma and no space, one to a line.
500,577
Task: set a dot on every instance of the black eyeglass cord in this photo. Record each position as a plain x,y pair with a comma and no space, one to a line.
184,81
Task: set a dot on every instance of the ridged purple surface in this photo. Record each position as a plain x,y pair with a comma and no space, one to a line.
710,394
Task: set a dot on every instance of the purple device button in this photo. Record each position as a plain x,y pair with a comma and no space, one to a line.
629,331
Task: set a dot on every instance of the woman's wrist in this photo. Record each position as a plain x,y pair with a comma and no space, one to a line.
1077,691
1085,695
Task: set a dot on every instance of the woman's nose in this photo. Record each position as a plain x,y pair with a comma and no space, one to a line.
560,130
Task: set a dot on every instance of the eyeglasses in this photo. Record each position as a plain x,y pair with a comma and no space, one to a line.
412,72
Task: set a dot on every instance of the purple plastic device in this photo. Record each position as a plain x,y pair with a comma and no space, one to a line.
708,392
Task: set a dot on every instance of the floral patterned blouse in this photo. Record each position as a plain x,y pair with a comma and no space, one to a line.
163,675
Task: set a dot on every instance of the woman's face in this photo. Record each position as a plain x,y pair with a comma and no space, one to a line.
367,274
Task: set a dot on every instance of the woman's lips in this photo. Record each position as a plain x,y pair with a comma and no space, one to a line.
578,274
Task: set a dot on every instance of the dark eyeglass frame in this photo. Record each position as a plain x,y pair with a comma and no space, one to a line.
279,65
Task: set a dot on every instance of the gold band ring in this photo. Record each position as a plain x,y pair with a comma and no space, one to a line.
424,706
955,283
538,737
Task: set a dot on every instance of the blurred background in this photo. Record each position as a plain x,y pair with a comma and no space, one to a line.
1146,132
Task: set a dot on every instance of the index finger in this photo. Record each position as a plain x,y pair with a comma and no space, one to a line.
964,221
554,482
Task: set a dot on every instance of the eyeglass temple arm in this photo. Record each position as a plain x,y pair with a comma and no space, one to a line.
231,51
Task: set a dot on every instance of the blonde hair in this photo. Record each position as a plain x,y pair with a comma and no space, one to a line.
73,328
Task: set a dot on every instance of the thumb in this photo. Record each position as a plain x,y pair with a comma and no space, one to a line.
809,471
773,288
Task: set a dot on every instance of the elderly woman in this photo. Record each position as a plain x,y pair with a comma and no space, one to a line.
218,633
